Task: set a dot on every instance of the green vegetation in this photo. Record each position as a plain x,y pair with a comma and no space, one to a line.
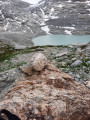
64,63
8,52
10,65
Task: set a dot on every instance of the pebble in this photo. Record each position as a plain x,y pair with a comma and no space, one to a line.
36,111
88,63
78,76
77,62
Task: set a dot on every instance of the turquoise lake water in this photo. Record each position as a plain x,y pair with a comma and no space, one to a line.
61,40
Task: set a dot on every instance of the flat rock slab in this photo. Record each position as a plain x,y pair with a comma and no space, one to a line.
8,79
48,94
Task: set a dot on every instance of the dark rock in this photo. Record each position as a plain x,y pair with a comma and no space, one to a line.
7,80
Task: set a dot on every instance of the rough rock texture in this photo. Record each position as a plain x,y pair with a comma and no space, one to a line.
8,79
38,62
48,94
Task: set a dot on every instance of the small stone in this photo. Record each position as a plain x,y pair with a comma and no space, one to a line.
70,73
77,62
61,54
88,84
78,76
36,111
74,58
77,79
52,77
88,62
79,50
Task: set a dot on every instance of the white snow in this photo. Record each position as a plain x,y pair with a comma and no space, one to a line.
30,30
68,32
51,11
6,26
72,28
60,5
32,1
0,11
88,10
45,18
88,2
54,17
46,29
69,1
43,15
43,23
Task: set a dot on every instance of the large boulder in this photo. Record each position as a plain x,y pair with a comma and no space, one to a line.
47,94
38,62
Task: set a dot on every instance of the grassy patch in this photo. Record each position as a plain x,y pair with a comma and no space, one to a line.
11,65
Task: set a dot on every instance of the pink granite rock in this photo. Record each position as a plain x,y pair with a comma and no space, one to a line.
48,94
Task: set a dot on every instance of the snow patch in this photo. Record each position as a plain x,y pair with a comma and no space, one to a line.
43,23
72,28
60,5
52,9
54,17
88,2
51,12
43,14
68,32
32,1
88,10
46,29
69,1
6,26
0,11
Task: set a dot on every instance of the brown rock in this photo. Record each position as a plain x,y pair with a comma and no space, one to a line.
48,94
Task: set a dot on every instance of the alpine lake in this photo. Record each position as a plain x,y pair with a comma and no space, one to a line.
61,40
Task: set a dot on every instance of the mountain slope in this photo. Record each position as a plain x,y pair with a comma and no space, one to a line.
21,21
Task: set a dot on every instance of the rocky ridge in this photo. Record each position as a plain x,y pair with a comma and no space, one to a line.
21,21
47,94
